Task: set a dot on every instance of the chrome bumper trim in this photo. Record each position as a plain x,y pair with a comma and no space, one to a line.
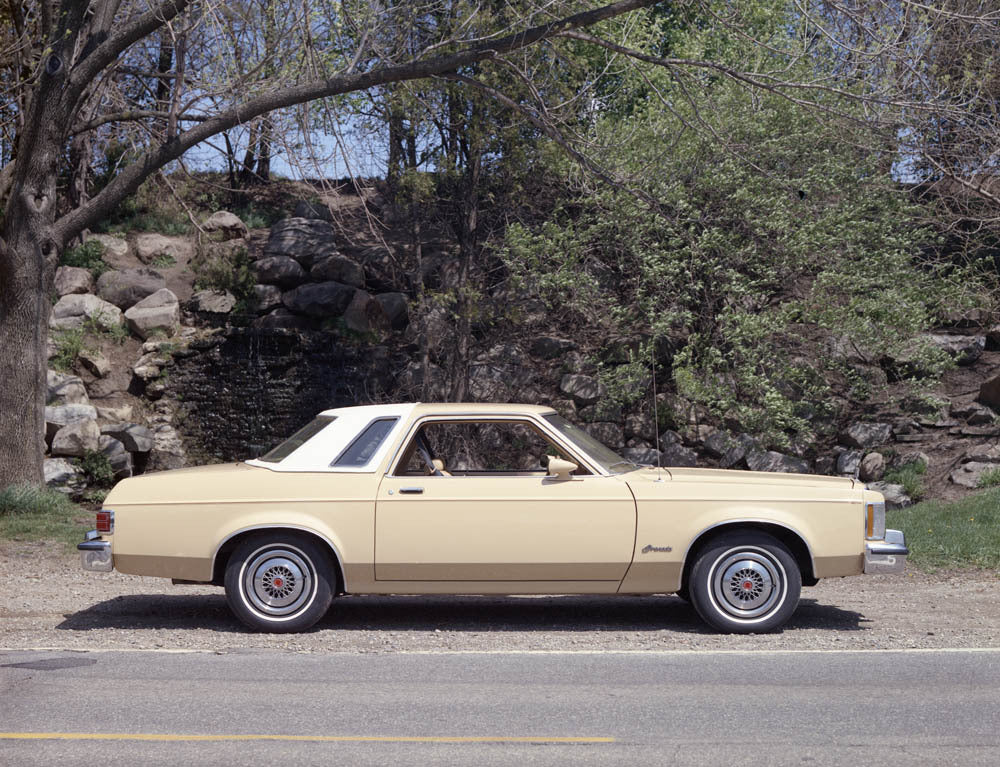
888,556
95,554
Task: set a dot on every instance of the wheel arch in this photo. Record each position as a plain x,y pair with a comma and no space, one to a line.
229,544
793,540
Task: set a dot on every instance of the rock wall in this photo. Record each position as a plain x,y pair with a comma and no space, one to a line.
238,393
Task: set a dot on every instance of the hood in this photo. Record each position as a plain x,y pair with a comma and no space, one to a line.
731,477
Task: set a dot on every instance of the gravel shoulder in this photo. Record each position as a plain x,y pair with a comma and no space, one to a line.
49,602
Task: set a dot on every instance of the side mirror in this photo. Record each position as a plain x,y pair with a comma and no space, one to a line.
561,468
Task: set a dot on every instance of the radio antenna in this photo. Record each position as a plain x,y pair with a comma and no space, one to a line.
656,417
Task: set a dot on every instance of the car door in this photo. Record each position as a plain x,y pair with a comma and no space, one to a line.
503,521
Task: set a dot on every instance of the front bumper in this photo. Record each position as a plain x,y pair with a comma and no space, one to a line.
888,556
95,554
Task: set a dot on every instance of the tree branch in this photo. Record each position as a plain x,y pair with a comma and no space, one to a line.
157,157
89,67
133,116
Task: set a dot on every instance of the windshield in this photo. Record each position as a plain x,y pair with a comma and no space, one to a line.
298,439
609,460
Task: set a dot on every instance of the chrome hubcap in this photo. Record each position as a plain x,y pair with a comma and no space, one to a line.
747,583
278,581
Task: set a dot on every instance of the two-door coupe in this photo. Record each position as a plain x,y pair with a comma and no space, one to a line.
486,499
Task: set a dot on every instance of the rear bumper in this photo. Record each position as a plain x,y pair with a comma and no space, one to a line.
888,556
95,554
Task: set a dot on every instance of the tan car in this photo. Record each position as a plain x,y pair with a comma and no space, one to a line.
486,499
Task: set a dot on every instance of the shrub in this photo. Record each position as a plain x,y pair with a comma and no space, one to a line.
97,469
69,344
89,255
911,477
219,269
989,478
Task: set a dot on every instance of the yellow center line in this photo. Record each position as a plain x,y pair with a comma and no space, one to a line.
174,738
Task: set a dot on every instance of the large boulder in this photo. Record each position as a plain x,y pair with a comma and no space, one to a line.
135,438
872,467
316,210
63,475
229,225
150,247
76,439
866,435
676,454
550,347
585,390
283,271
266,298
338,268
740,446
606,432
74,311
95,362
969,474
116,248
644,456
895,495
963,349
119,458
73,279
304,239
395,309
57,416
770,460
65,389
319,299
168,450
363,314
282,318
127,287
849,463
159,313
213,302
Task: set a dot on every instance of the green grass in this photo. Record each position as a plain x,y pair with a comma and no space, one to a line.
911,477
990,478
960,534
30,513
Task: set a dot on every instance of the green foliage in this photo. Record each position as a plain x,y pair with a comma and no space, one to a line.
989,478
912,477
30,499
221,269
97,469
748,235
963,533
89,255
164,261
69,344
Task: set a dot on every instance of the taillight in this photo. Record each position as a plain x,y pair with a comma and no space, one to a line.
105,521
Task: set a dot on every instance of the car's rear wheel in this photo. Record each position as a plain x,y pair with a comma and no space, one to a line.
745,582
279,583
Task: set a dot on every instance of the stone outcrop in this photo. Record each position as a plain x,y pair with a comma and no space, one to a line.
585,390
73,279
126,287
157,314
213,301
866,435
229,225
306,240
150,247
283,271
319,299
76,439
74,311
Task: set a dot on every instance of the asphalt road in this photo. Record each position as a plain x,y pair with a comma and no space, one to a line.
701,708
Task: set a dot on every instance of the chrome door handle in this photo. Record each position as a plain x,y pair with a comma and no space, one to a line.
411,490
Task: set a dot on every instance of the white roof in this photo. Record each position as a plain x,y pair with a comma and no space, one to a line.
319,452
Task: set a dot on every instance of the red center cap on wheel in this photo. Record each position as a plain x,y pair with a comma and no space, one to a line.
278,582
747,585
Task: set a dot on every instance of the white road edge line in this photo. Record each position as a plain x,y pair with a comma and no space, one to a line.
261,650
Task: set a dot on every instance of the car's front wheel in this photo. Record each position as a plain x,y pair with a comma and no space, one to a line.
745,582
279,583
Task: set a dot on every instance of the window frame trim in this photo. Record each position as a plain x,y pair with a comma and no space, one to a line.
582,459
